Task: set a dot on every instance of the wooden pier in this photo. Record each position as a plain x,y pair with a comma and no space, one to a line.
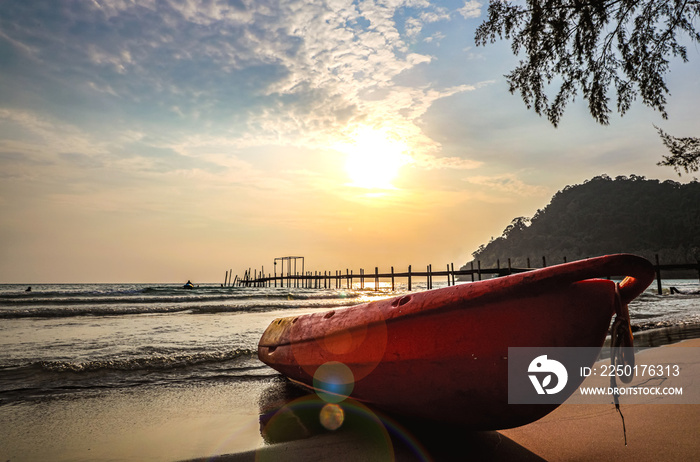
348,279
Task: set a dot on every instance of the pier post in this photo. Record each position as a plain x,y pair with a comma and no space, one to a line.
478,264
225,278
658,275
471,263
449,278
409,278
544,262
376,278
392,278
452,265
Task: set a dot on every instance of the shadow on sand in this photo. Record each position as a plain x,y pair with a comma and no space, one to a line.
299,426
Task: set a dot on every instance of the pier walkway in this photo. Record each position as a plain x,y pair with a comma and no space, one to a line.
348,279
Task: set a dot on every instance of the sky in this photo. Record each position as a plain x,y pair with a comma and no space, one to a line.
166,140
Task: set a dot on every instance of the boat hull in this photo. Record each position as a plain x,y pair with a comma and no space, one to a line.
443,354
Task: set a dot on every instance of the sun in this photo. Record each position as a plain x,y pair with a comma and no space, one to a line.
374,158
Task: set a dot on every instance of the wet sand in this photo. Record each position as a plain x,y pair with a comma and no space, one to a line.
238,422
139,424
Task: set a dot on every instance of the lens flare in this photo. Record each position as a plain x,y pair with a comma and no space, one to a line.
332,416
365,341
333,382
309,415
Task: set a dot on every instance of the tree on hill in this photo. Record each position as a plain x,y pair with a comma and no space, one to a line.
604,216
591,47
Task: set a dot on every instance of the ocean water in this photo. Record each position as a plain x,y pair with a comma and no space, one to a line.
80,339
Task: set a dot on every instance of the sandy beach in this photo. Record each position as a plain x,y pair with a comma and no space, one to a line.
573,432
241,422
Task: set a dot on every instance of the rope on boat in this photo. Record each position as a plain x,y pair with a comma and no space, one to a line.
622,349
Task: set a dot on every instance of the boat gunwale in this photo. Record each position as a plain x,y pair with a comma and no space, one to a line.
475,294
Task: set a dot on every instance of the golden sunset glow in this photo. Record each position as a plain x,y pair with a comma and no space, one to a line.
374,158
350,133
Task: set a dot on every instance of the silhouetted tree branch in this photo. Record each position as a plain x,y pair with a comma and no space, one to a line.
685,152
593,47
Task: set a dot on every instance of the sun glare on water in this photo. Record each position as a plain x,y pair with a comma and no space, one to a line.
374,158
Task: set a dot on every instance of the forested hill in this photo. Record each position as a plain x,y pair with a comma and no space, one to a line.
604,216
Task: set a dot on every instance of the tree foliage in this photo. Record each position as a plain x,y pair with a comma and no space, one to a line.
604,216
685,152
589,47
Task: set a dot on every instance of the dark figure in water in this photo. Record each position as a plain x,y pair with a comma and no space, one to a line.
189,285
29,289
684,292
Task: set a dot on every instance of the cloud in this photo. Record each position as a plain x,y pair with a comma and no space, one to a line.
436,37
471,9
43,136
263,72
509,184
437,163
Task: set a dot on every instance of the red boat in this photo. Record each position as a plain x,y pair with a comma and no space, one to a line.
443,354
